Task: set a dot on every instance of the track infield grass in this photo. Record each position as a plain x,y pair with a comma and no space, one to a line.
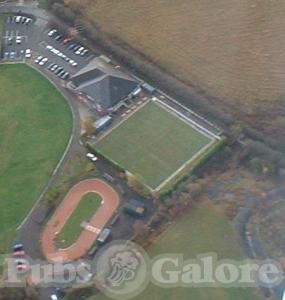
152,144
203,230
35,126
85,210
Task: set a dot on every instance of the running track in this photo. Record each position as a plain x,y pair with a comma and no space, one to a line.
85,241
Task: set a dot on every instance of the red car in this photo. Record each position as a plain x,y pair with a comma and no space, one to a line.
19,253
67,40
21,265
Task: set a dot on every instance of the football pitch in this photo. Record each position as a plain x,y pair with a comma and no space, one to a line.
153,144
35,126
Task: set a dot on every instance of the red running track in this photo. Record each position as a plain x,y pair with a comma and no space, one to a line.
86,239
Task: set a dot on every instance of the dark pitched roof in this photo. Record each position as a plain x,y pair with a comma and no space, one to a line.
104,84
87,76
109,90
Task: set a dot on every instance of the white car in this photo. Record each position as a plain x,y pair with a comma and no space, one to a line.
38,59
55,51
18,19
49,47
73,63
18,40
53,297
43,61
91,156
28,53
51,32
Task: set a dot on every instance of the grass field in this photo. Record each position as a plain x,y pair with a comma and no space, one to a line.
85,210
204,230
152,143
35,126
231,49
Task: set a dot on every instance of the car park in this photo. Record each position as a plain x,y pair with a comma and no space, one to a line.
28,53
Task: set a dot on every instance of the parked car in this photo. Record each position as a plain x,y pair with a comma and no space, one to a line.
50,66
58,37
67,40
28,53
10,41
104,235
13,55
18,250
134,208
28,21
21,265
52,32
17,19
38,59
58,70
43,61
54,67
65,76
18,40
91,156
84,52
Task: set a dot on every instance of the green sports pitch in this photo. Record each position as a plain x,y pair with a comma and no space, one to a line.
153,144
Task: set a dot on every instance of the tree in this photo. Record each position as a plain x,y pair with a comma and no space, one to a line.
88,125
136,184
18,294
52,196
141,231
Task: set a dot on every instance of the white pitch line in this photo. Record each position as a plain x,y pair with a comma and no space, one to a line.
185,165
187,120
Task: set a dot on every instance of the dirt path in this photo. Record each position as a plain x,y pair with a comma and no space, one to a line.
85,241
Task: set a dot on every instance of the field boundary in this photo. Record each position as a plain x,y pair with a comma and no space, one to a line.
184,165
65,151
